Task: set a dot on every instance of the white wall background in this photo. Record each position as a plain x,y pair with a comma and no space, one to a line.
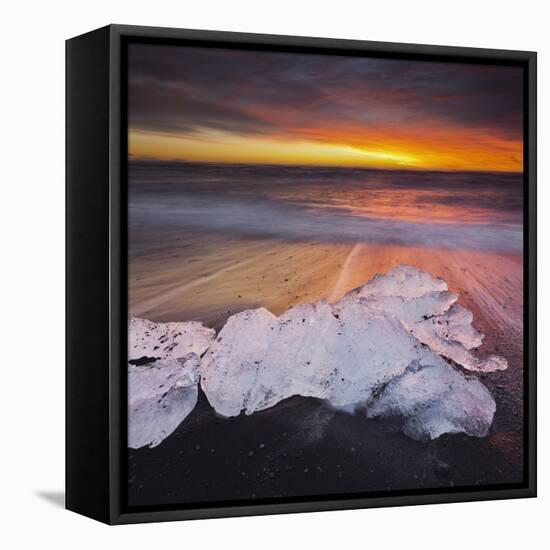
32,271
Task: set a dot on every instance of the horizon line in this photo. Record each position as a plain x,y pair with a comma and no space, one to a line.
132,158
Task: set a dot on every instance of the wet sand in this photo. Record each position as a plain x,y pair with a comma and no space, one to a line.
308,448
208,279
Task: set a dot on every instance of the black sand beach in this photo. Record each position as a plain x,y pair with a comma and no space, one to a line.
302,447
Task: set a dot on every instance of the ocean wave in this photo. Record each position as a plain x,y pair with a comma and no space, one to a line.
267,218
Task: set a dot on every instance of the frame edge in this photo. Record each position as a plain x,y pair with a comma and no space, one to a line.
117,515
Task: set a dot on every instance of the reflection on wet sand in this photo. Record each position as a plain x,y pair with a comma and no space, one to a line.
203,279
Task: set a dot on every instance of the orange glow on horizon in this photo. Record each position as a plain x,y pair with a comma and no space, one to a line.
421,149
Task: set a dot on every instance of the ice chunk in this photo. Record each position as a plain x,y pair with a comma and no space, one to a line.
405,292
147,339
433,400
160,397
349,355
426,309
229,369
404,281
310,350
259,359
452,335
383,346
408,311
163,374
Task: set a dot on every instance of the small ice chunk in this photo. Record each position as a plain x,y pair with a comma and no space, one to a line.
433,400
404,281
163,374
160,397
413,310
452,336
166,340
426,309
229,369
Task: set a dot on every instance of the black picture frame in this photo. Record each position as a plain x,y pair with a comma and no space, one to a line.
96,276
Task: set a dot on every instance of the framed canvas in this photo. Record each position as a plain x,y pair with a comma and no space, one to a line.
300,274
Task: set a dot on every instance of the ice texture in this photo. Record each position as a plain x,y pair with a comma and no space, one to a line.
434,400
384,347
310,350
163,376
166,340
425,308
160,396
452,335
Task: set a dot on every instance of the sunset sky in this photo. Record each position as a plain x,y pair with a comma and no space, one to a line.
213,105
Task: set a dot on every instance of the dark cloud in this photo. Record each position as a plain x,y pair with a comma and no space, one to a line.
184,90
